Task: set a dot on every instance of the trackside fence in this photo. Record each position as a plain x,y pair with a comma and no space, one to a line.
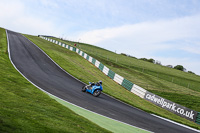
137,90
198,118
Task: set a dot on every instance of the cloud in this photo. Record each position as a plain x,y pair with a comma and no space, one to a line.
49,3
146,36
14,16
192,47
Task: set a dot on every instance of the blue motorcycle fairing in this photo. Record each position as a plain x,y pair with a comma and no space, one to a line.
94,87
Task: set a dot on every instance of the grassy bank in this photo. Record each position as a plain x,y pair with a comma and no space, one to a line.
24,108
83,70
177,86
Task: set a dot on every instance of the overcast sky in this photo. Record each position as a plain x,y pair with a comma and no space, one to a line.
165,30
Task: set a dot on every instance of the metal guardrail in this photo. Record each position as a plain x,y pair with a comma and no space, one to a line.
198,118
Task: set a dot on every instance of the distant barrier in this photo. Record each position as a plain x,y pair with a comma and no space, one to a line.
198,118
137,90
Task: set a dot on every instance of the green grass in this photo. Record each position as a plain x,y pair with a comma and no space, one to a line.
158,79
107,123
85,71
24,108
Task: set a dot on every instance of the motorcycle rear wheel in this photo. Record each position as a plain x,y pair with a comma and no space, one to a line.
96,93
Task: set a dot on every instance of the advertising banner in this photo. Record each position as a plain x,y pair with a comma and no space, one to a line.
171,106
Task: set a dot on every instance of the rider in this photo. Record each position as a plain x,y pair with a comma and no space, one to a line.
98,84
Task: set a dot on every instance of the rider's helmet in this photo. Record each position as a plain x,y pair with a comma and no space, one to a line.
100,82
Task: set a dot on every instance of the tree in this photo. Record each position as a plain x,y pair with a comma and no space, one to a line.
191,72
179,67
144,59
123,54
148,60
158,62
151,60
170,66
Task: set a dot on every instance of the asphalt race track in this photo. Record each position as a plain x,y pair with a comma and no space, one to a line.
43,72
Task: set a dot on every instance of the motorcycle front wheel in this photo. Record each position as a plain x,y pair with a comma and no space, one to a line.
83,88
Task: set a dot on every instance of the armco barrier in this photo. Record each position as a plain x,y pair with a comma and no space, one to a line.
111,74
127,84
101,66
139,91
105,70
93,61
87,58
198,118
97,63
119,79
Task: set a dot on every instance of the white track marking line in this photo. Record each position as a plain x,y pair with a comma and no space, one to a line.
176,123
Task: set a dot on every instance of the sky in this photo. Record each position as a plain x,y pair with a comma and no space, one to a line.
165,30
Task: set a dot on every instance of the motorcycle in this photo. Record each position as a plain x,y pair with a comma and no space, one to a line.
93,88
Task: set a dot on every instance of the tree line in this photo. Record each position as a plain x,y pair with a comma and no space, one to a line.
178,67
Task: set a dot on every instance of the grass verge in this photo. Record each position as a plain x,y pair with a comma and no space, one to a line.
107,123
24,108
84,71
